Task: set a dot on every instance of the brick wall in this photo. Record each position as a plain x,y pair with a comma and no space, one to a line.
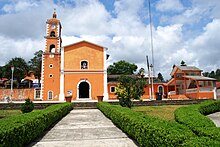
18,94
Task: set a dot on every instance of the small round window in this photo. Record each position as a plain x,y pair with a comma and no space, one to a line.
51,65
50,75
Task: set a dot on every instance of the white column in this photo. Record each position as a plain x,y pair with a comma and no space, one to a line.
105,77
61,96
42,78
215,93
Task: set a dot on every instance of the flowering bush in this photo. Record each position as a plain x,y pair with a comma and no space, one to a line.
129,88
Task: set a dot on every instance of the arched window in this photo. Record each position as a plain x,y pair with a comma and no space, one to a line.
52,48
50,95
84,64
52,34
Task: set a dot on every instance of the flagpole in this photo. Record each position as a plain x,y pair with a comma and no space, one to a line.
152,50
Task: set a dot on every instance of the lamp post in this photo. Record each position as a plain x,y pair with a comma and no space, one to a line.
12,79
152,82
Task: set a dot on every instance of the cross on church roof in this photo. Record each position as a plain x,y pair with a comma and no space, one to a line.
54,13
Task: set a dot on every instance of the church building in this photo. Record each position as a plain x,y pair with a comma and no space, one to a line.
78,70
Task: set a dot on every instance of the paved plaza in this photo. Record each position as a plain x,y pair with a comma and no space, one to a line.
84,128
215,117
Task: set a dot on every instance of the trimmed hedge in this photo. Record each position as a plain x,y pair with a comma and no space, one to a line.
193,117
22,129
146,130
200,142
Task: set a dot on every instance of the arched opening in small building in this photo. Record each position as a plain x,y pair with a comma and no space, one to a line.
84,90
52,48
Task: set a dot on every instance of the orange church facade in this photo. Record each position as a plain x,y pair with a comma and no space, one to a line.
77,70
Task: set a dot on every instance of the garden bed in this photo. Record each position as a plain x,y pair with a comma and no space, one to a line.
194,117
21,129
146,130
151,131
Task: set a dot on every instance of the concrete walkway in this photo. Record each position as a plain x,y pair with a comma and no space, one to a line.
215,117
84,128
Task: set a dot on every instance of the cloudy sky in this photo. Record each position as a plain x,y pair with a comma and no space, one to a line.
186,30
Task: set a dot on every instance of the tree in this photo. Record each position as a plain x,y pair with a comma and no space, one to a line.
20,68
183,63
121,68
35,63
2,72
129,87
205,74
160,77
212,74
217,74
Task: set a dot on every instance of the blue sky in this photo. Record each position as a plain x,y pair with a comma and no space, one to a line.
182,29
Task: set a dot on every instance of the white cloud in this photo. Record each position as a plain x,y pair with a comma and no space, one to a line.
169,5
18,6
200,10
124,33
207,45
91,18
24,48
28,23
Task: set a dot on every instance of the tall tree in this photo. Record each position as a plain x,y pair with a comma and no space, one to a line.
160,77
35,63
20,68
122,68
129,88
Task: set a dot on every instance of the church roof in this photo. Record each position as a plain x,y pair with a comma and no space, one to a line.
85,42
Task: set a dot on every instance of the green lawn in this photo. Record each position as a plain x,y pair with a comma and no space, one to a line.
164,112
8,113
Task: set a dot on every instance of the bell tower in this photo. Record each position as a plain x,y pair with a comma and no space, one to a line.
51,60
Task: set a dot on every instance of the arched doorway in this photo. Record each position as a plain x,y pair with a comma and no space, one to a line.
160,89
83,91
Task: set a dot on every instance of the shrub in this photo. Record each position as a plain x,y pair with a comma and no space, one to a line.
200,142
28,106
146,130
192,116
209,107
129,88
22,129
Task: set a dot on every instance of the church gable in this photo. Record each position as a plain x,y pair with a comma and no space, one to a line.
83,43
83,56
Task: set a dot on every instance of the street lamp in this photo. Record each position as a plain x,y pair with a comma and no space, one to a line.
152,82
12,79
